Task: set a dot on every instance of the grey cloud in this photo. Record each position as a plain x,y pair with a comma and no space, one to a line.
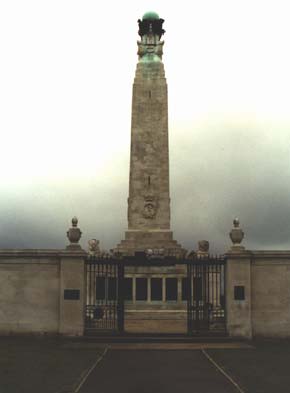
217,172
231,173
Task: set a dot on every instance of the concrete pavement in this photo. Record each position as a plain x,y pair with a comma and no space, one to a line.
57,365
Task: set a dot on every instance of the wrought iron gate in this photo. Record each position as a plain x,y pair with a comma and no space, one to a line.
206,296
104,304
204,293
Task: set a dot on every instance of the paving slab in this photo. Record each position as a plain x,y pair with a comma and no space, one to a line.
29,365
263,370
144,371
75,366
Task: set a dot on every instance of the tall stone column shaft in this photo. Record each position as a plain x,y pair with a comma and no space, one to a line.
148,202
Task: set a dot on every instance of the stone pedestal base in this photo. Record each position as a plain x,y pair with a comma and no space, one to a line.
136,240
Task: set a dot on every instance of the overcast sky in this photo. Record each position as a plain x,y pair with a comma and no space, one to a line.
66,75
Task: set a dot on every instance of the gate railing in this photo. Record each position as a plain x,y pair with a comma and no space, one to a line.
205,292
104,311
206,295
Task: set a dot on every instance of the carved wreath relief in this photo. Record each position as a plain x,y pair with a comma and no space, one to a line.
150,207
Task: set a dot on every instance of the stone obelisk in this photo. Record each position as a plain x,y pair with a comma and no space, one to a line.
149,201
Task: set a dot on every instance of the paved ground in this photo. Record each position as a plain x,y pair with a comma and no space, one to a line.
42,365
266,369
66,366
146,371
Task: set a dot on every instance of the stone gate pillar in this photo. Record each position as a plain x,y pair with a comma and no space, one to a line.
238,287
72,285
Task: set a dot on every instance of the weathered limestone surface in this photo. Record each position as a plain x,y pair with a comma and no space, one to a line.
265,312
149,166
149,239
150,321
238,273
29,301
270,274
32,286
149,201
72,276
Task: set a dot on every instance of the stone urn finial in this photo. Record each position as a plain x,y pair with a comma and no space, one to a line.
236,234
74,234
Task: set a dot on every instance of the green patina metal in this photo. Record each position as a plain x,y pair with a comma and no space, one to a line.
150,15
150,58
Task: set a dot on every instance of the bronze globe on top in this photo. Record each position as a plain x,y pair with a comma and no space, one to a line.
150,15
151,24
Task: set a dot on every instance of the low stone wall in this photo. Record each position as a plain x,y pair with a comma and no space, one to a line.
31,292
43,292
270,281
29,282
258,293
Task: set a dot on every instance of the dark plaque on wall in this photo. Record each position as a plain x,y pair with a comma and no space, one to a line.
71,294
239,292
